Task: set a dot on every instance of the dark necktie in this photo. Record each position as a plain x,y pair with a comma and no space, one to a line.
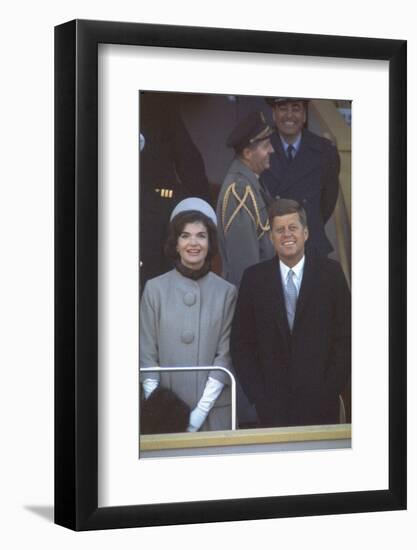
290,152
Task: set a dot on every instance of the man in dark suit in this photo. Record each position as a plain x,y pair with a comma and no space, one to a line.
290,340
304,167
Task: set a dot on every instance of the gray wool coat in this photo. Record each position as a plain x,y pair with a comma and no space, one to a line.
187,323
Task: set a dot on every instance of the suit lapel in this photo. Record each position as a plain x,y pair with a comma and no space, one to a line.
279,151
307,287
273,285
304,162
274,289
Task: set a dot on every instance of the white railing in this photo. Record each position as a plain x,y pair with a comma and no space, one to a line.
211,368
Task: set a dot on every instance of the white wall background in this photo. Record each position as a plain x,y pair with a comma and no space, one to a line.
26,299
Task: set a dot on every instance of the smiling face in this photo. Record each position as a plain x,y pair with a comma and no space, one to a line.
289,118
257,156
193,245
288,237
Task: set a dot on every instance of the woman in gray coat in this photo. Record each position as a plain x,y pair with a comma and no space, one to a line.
185,320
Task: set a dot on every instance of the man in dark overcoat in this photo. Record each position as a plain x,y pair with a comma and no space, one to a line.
304,167
291,333
171,169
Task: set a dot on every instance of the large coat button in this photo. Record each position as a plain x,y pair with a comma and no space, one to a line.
189,298
187,337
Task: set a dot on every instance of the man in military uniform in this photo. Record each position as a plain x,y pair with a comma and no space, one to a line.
304,167
242,218
242,203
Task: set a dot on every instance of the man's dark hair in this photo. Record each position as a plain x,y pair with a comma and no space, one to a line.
282,207
176,227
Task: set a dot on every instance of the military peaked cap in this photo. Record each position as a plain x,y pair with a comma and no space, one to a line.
249,130
276,100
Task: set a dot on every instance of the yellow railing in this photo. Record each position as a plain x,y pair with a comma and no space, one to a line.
229,438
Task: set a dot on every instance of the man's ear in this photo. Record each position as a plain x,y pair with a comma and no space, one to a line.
247,153
306,233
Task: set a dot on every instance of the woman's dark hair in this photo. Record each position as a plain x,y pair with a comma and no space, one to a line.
176,227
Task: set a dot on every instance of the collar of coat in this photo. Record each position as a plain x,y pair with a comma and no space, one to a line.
308,140
238,167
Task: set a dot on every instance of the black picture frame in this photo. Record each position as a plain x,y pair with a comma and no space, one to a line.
76,271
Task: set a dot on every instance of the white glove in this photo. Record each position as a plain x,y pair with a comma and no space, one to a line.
211,392
149,385
197,418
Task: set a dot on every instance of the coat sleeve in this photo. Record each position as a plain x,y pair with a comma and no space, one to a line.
338,375
148,332
223,358
243,343
240,231
330,182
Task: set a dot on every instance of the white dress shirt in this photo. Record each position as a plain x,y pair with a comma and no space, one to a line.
298,270
296,144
